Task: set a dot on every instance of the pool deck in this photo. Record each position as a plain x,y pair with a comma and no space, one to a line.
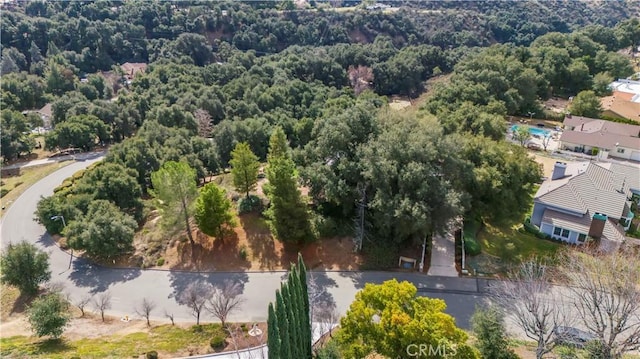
536,137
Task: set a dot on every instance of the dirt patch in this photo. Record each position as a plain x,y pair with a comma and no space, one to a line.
556,104
547,164
399,104
252,247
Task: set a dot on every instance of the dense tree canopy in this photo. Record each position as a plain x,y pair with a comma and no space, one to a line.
104,232
221,74
389,317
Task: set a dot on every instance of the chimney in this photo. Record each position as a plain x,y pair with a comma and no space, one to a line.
597,225
559,170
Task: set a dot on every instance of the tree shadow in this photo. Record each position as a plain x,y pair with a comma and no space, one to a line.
180,280
46,240
261,242
323,283
208,254
98,278
54,345
22,303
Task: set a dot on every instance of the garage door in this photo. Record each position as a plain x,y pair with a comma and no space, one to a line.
635,155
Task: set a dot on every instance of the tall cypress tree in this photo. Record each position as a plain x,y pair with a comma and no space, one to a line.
304,291
273,340
289,329
283,327
293,285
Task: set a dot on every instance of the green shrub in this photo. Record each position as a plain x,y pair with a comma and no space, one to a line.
218,342
3,192
243,326
471,246
380,256
567,352
152,355
330,227
252,203
160,262
329,351
243,252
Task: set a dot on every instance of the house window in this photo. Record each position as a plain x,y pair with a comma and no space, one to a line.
620,150
582,237
557,231
565,233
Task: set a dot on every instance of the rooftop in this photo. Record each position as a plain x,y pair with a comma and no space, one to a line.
620,104
588,187
600,133
628,86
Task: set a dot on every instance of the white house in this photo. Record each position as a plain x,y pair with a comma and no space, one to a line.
611,139
587,199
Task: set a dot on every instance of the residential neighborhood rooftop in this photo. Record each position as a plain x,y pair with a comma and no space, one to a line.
628,86
620,104
600,133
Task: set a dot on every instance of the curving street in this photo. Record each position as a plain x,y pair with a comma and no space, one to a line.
129,286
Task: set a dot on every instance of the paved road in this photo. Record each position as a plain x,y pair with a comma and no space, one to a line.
44,161
129,286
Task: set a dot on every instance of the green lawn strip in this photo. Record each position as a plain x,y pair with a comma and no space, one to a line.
514,246
165,338
16,185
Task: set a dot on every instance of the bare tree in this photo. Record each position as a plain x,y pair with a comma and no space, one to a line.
195,297
546,140
327,319
145,308
83,302
204,122
360,78
606,292
527,296
102,303
169,316
224,300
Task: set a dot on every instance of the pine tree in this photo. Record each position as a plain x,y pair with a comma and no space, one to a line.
289,215
273,340
244,168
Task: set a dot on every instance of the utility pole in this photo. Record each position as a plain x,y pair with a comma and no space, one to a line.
424,249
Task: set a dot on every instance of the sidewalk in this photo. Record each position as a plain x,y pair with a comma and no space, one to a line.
443,256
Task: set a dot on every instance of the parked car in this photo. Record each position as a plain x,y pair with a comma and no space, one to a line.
534,146
66,152
573,337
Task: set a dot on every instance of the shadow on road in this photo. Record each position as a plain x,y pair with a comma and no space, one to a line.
318,285
87,274
181,280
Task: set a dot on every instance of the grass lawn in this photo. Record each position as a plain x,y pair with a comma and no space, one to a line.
163,339
514,246
16,185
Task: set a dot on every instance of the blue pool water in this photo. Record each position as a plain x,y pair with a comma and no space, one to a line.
534,131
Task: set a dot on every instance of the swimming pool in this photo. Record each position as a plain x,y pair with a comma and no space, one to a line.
534,131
